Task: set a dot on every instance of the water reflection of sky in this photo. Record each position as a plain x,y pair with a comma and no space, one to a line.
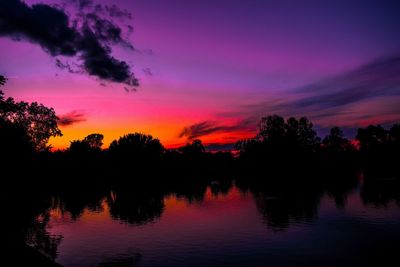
222,230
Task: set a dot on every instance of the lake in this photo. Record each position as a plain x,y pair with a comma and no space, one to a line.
223,225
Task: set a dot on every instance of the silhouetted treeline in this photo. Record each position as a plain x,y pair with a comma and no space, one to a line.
279,144
293,143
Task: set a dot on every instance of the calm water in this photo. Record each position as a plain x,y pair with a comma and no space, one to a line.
229,227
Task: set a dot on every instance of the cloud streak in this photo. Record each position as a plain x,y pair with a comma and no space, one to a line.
204,128
375,79
71,118
87,38
366,95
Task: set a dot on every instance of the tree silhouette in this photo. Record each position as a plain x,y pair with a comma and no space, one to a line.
249,145
291,131
372,138
79,147
38,121
296,134
394,134
15,144
41,124
277,137
95,141
335,141
193,149
136,146
308,137
2,83
87,147
271,129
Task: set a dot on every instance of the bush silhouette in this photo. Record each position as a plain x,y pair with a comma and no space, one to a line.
195,148
136,146
88,146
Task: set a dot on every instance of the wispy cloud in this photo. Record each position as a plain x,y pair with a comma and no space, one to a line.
204,128
376,79
71,118
367,94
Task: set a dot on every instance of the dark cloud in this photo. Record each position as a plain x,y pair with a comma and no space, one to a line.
88,37
97,61
71,118
41,24
82,3
204,128
71,68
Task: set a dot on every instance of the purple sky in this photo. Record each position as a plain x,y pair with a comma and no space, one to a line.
222,65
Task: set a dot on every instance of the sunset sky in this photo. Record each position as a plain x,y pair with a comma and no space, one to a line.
212,69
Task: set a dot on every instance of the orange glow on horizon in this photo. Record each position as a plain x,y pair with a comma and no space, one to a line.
167,133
